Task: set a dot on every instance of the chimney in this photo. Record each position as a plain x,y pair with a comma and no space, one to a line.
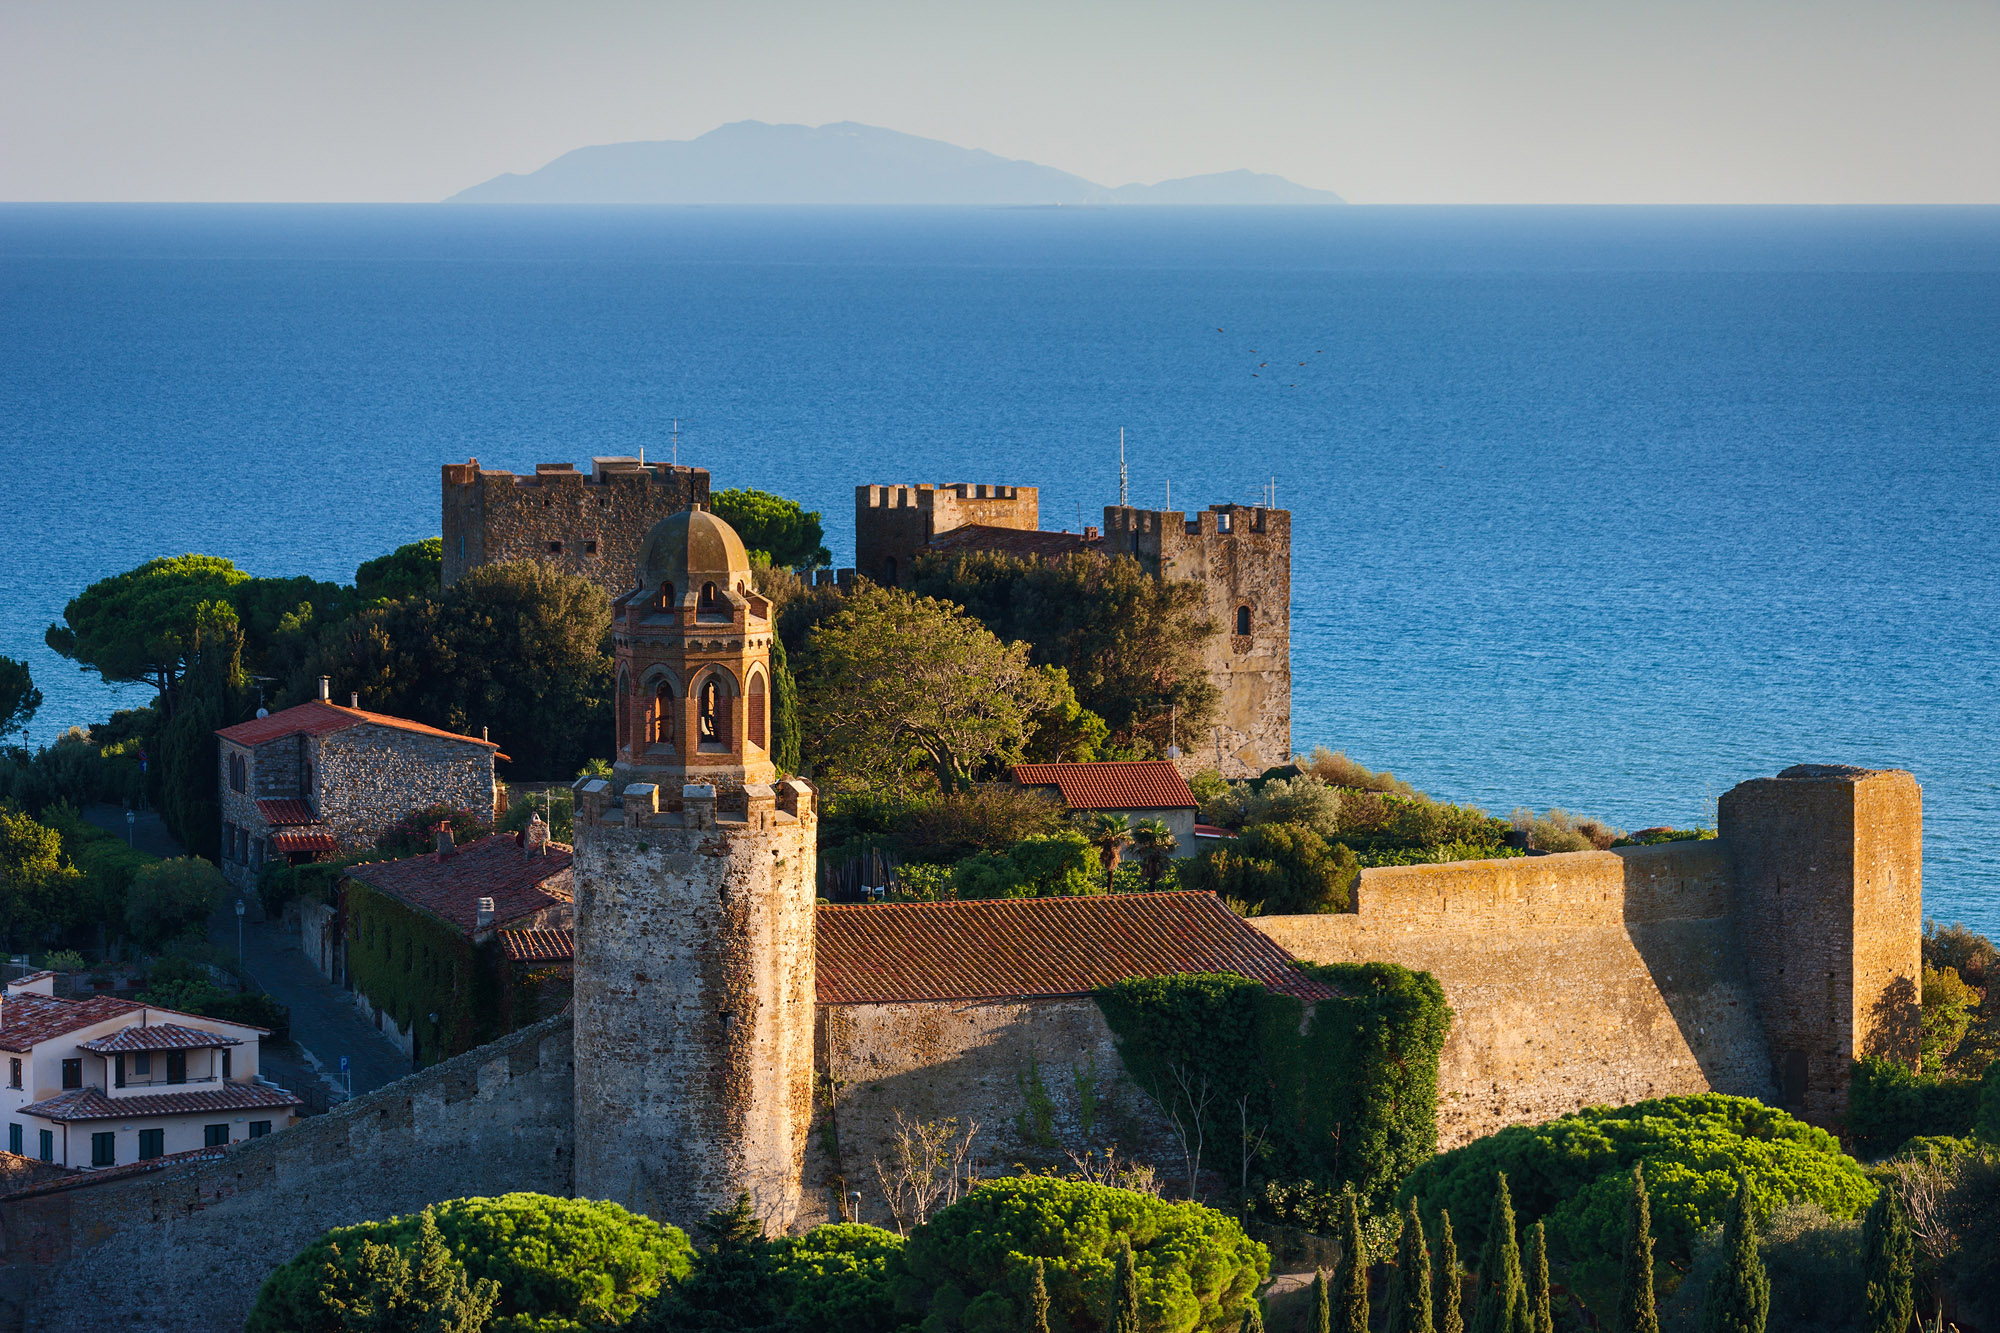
484,915
537,841
483,735
354,698
445,849
326,689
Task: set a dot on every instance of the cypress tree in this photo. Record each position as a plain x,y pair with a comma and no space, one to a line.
1124,1292
1410,1281
1888,1266
1322,1316
1351,1277
1738,1299
785,743
1448,1301
1503,1295
1038,1288
1541,1316
1636,1313
1253,1318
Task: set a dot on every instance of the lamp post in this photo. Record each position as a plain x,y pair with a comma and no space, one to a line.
239,932
131,828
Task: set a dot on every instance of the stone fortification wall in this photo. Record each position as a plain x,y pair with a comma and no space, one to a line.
993,1062
1578,979
694,1000
1241,555
367,777
893,524
186,1247
587,523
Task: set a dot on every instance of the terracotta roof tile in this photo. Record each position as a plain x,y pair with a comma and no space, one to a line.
493,867
91,1104
1213,831
79,1178
1009,541
280,813
304,840
317,717
1004,947
28,1019
157,1037
1139,784
555,945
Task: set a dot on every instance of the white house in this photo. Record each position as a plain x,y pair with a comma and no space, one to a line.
103,1082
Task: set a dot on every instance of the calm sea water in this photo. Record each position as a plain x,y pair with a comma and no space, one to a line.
1601,508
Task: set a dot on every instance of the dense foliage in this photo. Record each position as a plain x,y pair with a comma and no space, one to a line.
1276,869
1348,1097
429,977
36,880
777,530
1888,1104
1193,1268
1380,827
413,570
1044,866
19,699
559,1265
1575,1172
171,898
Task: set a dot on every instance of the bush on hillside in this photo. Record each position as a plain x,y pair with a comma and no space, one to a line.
1575,1172
1334,768
1276,870
171,898
966,1268
563,1265
1887,1105
837,1276
1059,864
1560,831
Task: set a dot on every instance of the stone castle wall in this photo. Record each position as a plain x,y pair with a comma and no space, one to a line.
895,524
186,1247
587,523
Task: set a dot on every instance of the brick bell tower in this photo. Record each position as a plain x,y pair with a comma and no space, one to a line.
695,882
693,646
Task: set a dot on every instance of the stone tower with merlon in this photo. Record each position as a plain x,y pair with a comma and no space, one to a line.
695,881
895,524
1241,555
1826,864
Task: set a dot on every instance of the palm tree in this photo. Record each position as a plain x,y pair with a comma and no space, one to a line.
1154,845
1110,834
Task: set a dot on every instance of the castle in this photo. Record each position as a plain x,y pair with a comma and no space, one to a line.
1239,555
728,1034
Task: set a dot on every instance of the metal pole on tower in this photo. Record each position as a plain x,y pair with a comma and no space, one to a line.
1122,501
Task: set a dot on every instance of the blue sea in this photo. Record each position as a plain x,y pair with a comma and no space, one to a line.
1607,509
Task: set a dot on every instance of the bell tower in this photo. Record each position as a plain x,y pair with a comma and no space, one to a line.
692,644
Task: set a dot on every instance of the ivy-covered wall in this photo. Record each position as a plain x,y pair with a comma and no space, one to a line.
437,984
1344,1095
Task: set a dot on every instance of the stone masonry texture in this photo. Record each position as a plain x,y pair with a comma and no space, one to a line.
587,523
894,524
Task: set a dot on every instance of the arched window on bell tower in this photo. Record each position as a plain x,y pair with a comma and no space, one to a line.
661,731
711,704
754,714
624,711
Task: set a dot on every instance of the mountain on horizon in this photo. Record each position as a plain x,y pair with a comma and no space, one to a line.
750,162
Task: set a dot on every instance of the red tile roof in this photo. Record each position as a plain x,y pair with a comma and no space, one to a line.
301,840
157,1037
555,945
999,948
493,867
317,717
77,1178
278,813
1009,541
1213,831
91,1104
1138,784
26,1020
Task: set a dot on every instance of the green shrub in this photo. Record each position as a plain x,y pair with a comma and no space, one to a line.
1056,865
1653,837
966,1268
172,897
1276,870
1949,1004
416,833
563,1265
838,1277
1888,1104
1575,1172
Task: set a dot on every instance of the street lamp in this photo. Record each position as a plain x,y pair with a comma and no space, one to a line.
131,827
239,932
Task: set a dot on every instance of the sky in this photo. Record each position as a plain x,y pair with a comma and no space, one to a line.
1384,101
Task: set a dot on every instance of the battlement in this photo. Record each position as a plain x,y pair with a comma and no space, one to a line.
607,470
927,496
1221,520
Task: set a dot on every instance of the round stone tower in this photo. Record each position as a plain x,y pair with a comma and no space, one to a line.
695,880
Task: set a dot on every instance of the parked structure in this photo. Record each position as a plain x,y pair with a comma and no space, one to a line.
1136,789
103,1082
311,779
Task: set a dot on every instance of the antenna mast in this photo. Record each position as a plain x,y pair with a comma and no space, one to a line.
677,441
1121,468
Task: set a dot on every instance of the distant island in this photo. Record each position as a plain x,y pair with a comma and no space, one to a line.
750,162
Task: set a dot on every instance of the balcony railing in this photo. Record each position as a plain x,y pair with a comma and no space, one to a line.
155,1081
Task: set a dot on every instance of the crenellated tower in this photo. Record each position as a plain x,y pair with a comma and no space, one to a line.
695,882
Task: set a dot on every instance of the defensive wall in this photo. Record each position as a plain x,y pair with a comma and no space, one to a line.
186,1246
587,523
894,524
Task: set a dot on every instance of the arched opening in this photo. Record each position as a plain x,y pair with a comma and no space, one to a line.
663,715
665,601
753,713
711,703
624,712
1243,620
239,777
709,601
889,571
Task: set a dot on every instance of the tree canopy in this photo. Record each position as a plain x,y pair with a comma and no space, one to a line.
138,627
412,570
18,696
36,882
1277,870
781,530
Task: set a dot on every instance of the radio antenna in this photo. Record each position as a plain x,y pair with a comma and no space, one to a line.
677,441
1121,468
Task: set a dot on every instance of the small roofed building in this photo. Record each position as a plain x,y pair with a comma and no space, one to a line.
425,940
309,780
927,1009
102,1082
1138,789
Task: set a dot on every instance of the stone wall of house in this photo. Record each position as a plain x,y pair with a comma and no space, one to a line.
896,523
586,523
186,1247
1041,1079
366,777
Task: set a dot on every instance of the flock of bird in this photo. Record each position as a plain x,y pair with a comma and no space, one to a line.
1265,365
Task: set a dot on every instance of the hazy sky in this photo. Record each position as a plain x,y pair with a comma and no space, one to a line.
1396,101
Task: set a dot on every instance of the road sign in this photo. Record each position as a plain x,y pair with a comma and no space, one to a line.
343,1064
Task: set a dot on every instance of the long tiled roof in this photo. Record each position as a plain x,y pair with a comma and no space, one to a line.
280,813
157,1037
317,717
76,1178
493,867
1132,784
303,840
1007,947
552,945
26,1020
1009,541
91,1104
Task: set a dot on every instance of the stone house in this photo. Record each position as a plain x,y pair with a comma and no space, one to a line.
309,780
103,1082
1138,789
